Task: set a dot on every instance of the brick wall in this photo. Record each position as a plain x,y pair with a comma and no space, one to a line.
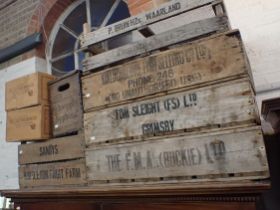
21,18
14,19
139,6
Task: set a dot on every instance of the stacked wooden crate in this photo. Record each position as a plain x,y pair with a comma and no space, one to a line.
59,160
27,106
184,113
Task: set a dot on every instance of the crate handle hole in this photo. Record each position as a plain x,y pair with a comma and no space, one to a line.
194,177
64,87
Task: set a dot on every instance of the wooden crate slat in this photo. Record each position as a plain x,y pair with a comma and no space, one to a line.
155,42
234,153
53,174
211,59
217,105
163,12
65,148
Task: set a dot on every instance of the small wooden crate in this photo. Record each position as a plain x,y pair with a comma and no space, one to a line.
28,91
66,104
210,60
28,124
54,163
224,155
221,105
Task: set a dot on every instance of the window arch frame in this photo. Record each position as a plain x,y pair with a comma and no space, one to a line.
59,25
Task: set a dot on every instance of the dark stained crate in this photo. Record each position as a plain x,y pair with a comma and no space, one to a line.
66,104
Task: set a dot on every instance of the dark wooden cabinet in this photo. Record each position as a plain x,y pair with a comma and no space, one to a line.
238,196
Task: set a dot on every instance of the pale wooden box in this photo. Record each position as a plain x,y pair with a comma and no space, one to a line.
27,91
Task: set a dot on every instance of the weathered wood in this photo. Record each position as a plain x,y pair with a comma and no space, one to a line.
52,174
212,59
65,148
26,91
224,155
32,123
66,104
163,12
180,34
218,105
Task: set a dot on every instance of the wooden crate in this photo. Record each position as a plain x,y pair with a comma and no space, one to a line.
220,105
209,60
28,91
65,148
186,33
144,20
28,124
225,155
56,174
66,104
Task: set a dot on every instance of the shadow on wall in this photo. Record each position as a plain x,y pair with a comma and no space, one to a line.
271,199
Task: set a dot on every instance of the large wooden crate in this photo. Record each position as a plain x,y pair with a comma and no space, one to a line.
28,124
224,155
28,91
66,104
210,60
220,105
54,163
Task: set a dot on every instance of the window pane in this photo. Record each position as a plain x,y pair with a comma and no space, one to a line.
76,19
63,43
99,10
120,13
64,65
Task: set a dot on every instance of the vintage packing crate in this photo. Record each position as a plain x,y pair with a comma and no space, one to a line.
209,60
55,174
28,91
32,123
224,155
66,104
57,162
59,149
224,104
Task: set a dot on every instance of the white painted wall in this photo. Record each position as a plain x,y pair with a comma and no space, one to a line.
8,151
259,23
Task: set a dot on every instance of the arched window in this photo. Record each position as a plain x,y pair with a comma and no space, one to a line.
64,51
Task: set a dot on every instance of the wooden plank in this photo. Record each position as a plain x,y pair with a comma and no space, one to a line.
180,34
28,124
65,148
228,154
217,105
163,12
66,105
52,174
201,62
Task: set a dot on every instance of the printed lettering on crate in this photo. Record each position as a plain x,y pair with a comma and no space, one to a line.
53,174
201,62
165,11
64,148
228,154
217,105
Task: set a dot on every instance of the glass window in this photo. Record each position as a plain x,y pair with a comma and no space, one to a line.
66,54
